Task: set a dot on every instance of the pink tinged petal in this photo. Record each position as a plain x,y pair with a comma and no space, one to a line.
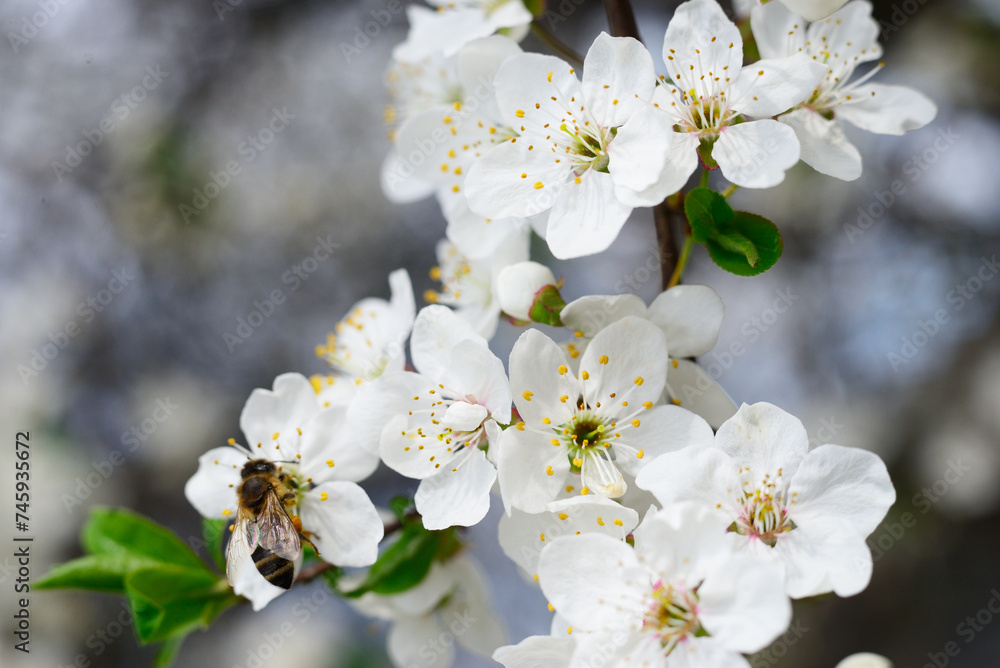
683,542
690,317
823,556
586,216
539,377
690,387
885,109
650,164
618,78
458,494
346,527
661,429
702,25
407,643
531,470
627,359
536,652
593,313
400,183
287,407
814,10
212,490
756,154
478,63
839,482
742,603
706,476
764,438
496,188
330,450
769,87
825,148
777,31
436,331
594,581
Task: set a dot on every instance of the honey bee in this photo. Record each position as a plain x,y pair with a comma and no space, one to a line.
264,532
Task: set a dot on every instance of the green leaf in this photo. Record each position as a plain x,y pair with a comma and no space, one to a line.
547,306
707,212
214,532
751,245
120,532
401,507
104,572
168,601
403,565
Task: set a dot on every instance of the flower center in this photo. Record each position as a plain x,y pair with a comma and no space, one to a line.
672,615
763,514
587,439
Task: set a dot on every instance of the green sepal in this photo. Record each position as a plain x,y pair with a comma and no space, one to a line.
764,241
742,243
705,151
547,306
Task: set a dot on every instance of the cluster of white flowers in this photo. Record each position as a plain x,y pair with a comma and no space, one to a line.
665,527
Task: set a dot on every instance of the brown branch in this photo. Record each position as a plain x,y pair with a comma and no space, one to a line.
621,19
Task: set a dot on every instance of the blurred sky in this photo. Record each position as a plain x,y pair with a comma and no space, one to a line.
103,271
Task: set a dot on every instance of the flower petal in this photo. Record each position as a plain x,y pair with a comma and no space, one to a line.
436,331
661,429
536,652
618,78
407,643
777,31
690,387
538,380
626,362
330,450
457,496
756,154
649,160
764,438
887,110
701,36
690,317
586,216
769,87
346,527
212,489
525,462
282,410
824,145
592,313
824,555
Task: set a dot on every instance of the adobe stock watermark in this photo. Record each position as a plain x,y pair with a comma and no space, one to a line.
715,363
100,640
273,639
891,531
967,630
86,311
121,107
363,35
553,16
29,27
901,13
779,648
294,277
131,440
913,169
958,297
248,149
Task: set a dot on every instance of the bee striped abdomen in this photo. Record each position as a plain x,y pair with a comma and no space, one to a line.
276,570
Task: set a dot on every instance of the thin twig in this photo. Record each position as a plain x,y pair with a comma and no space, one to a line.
557,45
621,19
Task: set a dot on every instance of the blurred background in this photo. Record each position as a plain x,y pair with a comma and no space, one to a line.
116,299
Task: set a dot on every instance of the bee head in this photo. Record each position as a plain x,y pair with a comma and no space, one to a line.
258,466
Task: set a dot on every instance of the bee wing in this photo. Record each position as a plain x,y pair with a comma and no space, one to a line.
242,543
276,531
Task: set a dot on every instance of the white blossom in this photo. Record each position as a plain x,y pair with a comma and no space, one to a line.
517,286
